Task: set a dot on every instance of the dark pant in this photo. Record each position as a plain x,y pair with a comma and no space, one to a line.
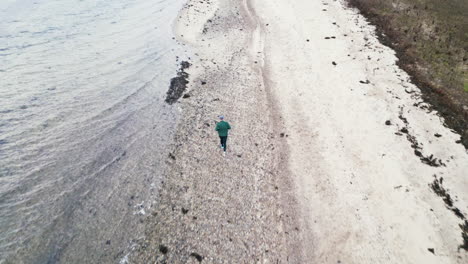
223,142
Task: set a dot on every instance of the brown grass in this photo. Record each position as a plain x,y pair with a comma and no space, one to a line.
431,41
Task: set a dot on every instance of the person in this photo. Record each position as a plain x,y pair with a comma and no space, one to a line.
222,127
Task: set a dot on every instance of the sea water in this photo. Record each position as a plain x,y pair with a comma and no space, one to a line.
83,125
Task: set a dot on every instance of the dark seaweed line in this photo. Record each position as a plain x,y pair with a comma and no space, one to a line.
429,160
437,187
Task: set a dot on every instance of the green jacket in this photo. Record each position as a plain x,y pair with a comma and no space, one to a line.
222,128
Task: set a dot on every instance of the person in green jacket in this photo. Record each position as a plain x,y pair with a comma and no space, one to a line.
222,127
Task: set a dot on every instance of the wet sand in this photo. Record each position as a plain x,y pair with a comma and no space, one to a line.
332,157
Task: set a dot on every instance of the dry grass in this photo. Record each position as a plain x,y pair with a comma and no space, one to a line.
431,39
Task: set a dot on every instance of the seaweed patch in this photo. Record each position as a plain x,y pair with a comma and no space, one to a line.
429,160
437,187
178,84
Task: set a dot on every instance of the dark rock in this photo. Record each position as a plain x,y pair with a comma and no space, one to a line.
184,211
163,249
203,82
186,95
404,130
388,123
334,63
108,242
196,256
365,82
431,250
437,135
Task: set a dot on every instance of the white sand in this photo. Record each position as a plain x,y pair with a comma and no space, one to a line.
363,194
347,164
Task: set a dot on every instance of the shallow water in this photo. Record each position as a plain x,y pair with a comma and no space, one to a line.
83,125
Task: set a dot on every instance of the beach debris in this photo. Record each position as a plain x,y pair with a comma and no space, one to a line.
439,189
163,249
178,84
464,228
429,160
196,256
172,156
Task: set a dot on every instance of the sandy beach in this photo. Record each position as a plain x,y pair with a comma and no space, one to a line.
333,156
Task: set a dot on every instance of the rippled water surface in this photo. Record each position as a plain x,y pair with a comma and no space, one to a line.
83,125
